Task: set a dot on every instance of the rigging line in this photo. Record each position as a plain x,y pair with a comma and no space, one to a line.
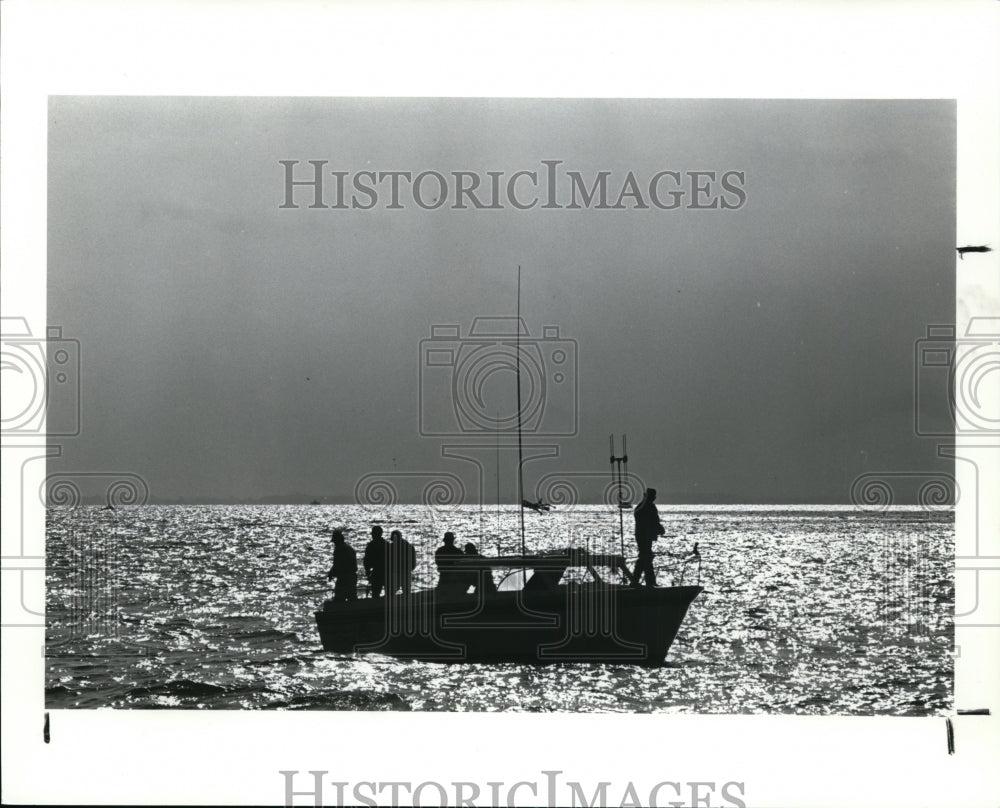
611,444
621,515
498,484
616,466
520,454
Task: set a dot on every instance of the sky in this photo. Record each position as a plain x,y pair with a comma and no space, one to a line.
235,349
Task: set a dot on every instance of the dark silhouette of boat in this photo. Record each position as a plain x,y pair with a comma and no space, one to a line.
538,507
532,615
535,617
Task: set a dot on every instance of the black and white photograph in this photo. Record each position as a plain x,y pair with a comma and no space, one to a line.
302,331
468,416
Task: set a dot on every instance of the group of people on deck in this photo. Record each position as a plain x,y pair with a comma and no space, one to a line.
454,580
389,564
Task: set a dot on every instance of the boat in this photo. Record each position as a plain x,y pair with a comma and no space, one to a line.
538,507
547,608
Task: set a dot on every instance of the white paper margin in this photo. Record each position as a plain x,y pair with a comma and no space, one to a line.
710,50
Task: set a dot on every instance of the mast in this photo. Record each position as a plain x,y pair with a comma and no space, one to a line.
520,451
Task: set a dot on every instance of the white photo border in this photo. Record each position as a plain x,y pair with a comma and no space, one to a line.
624,50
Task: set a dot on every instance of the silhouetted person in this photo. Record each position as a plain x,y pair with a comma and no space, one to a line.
376,560
449,579
402,560
481,578
647,529
344,569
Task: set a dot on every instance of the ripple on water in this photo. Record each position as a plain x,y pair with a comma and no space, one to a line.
812,611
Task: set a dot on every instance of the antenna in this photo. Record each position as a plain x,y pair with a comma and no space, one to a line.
520,452
625,458
616,465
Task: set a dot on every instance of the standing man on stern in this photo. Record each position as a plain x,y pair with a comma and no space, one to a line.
647,530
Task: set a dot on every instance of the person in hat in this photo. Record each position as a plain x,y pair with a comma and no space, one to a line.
647,530
344,569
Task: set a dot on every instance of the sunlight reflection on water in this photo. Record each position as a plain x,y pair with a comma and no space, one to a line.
805,610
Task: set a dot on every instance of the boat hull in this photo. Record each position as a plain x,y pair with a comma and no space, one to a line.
605,623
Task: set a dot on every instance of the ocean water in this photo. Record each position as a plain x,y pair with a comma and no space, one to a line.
806,610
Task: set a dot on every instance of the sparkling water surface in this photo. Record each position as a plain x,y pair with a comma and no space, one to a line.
806,610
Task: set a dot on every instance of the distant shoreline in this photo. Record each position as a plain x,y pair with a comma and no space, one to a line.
664,506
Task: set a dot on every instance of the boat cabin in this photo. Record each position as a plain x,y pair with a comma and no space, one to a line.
536,573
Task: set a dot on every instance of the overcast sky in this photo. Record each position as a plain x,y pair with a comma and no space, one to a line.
236,349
